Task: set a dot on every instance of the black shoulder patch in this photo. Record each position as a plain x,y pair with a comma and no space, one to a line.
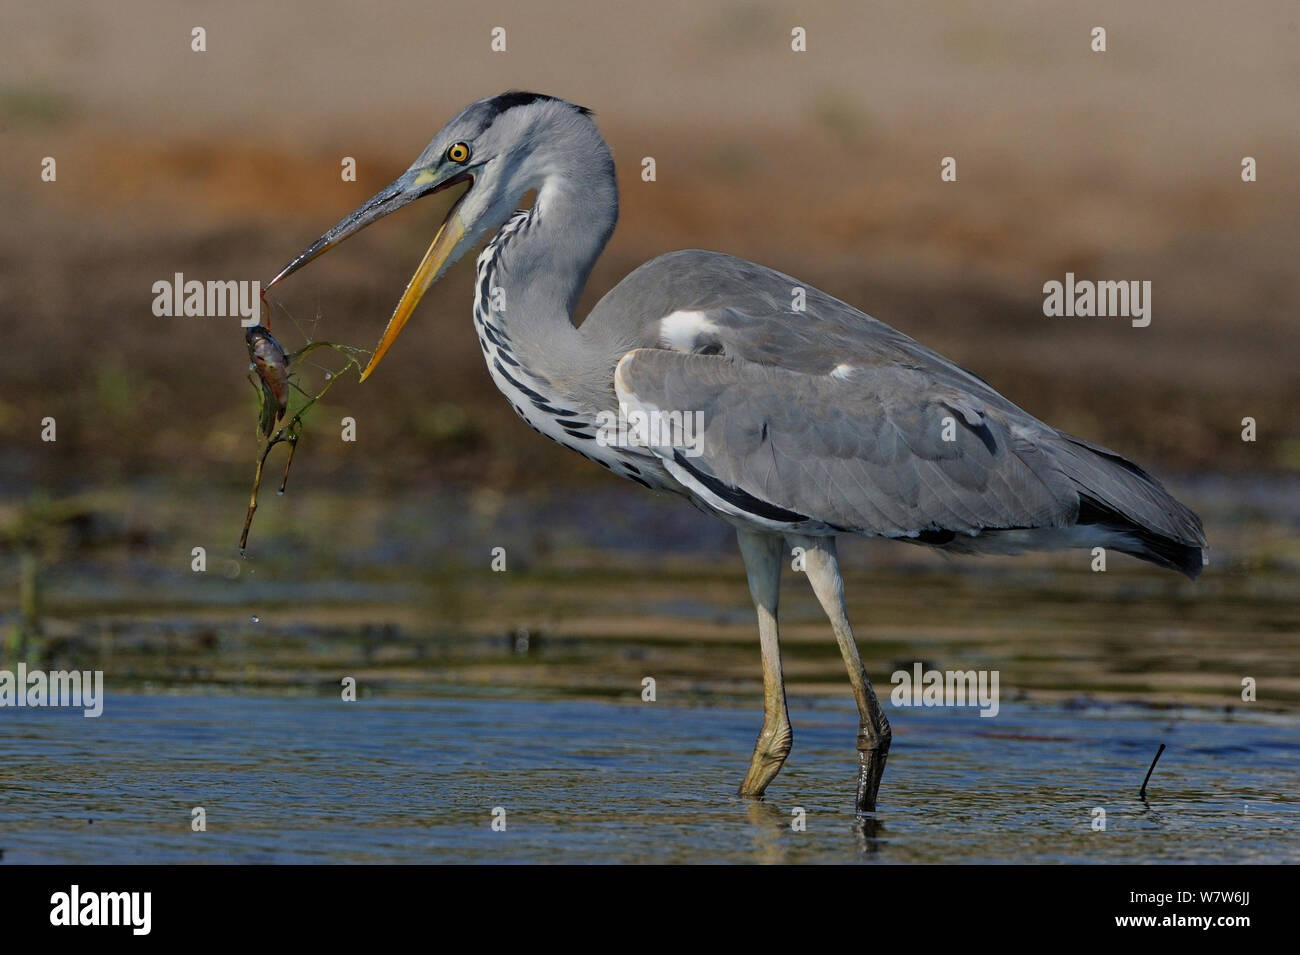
512,98
738,497
934,537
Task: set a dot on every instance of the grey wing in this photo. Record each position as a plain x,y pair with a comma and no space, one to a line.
884,452
827,418
763,316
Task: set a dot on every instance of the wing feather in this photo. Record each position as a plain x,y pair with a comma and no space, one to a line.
868,454
831,414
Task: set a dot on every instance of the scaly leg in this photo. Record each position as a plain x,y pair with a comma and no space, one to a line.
762,553
874,735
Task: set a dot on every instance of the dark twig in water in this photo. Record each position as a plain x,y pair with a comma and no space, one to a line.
291,432
1142,793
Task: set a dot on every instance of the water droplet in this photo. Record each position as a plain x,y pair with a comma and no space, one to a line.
255,618
252,367
329,375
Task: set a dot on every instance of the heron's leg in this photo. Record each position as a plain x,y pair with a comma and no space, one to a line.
874,735
762,553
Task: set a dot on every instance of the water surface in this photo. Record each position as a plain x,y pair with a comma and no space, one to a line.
314,780
522,689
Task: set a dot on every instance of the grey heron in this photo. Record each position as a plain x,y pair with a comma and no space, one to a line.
816,422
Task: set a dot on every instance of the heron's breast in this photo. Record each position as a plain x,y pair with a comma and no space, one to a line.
547,410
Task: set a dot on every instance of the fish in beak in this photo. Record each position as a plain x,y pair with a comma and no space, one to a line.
272,365
412,185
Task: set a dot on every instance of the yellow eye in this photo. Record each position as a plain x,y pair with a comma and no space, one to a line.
458,152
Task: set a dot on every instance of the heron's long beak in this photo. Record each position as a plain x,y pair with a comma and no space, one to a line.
404,190
448,237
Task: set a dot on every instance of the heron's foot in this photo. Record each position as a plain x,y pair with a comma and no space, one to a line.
872,754
770,751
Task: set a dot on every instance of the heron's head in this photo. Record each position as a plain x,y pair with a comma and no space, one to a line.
501,147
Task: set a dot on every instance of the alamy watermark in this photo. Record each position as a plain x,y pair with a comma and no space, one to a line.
71,688
651,429
179,298
921,687
1087,299
75,907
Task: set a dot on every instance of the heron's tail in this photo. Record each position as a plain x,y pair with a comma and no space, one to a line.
1118,496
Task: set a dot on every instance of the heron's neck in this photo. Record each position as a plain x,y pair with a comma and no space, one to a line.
532,273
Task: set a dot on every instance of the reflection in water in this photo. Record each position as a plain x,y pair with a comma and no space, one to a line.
867,830
769,826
